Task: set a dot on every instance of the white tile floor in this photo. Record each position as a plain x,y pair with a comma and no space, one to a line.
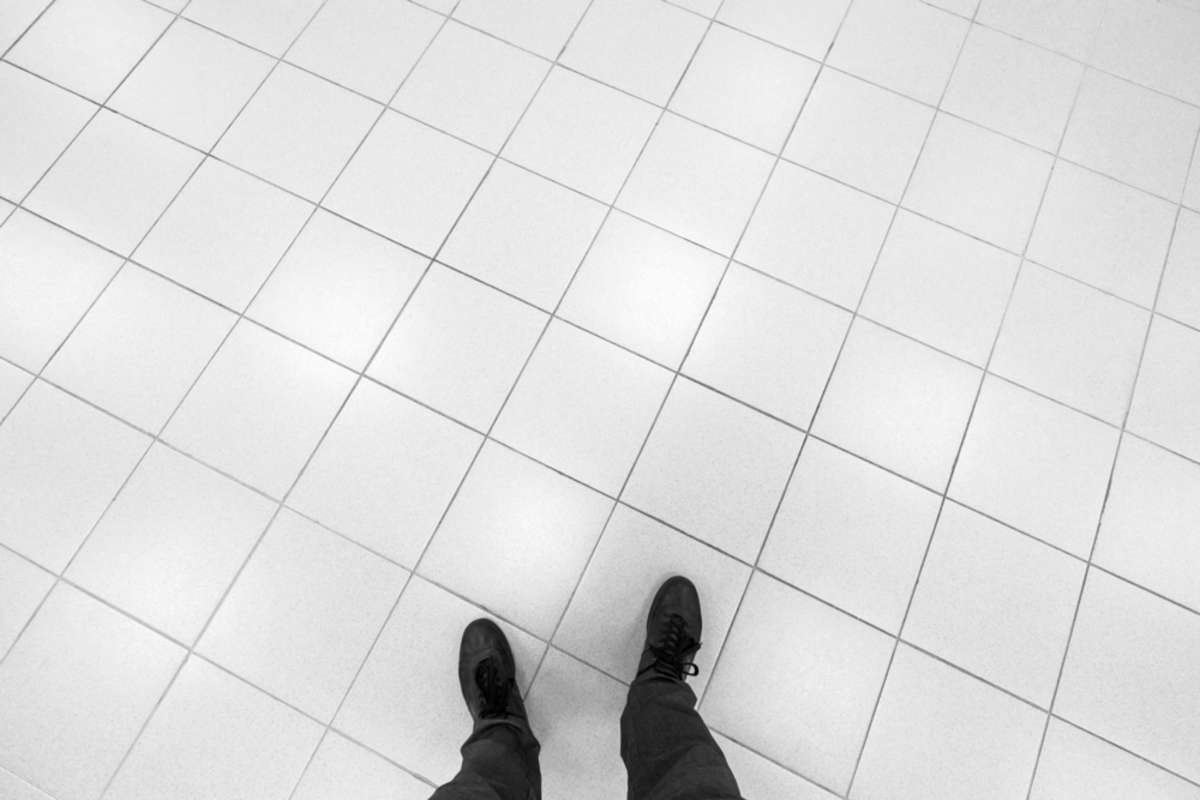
328,326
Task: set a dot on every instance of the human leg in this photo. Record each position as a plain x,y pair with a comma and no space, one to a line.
500,758
668,751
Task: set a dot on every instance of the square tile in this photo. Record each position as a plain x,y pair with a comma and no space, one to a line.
113,181
859,133
24,586
31,140
338,288
587,765
365,45
641,46
270,25
829,682
582,133
542,26
298,132
62,462
768,345
807,27
303,614
343,770
996,603
583,406
1071,342
745,87
13,383
941,286
979,182
1013,87
409,182
1133,134
714,468
192,84
939,734
88,46
860,556
75,691
1166,405
16,16
898,403
259,408
1064,26
471,85
816,233
643,288
214,737
140,347
386,472
422,729
459,346
534,528
1104,233
1078,766
605,624
50,279
1154,45
1036,465
1153,511
904,45
523,234
1122,676
759,777
697,183
224,234
1179,296
171,543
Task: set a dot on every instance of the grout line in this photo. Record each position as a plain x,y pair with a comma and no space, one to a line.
112,278
188,653
665,523
1190,781
973,18
676,371
975,237
1112,472
281,504
974,403
376,101
483,442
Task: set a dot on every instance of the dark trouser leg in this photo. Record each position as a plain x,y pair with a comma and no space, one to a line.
500,762
668,751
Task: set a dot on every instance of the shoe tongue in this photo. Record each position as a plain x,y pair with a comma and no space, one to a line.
492,688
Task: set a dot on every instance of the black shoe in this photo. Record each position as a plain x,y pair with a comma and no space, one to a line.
488,675
672,632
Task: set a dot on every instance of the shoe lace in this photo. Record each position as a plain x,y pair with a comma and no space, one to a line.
492,688
672,655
